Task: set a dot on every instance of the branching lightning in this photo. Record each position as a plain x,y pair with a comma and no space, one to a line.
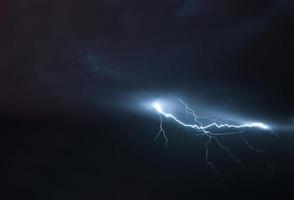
207,128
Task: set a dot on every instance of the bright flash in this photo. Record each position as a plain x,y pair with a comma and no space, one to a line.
207,129
157,106
259,125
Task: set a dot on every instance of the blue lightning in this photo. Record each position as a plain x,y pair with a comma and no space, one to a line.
199,126
205,130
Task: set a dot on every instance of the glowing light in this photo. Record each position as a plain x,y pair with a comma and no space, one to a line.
157,107
206,129
259,125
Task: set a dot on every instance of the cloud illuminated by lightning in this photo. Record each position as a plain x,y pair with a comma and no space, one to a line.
207,130
158,108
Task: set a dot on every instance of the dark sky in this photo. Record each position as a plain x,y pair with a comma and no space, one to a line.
71,70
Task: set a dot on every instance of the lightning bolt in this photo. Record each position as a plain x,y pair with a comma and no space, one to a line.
206,130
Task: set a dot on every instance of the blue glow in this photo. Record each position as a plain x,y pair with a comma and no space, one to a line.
207,128
157,106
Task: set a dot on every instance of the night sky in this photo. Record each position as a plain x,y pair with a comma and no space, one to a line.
74,75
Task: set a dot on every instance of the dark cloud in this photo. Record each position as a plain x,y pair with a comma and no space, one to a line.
74,68
117,46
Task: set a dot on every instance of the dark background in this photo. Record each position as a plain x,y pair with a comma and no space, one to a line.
69,69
